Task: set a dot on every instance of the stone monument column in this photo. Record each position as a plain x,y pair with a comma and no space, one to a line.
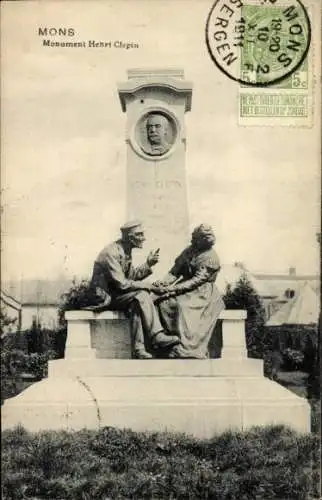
155,103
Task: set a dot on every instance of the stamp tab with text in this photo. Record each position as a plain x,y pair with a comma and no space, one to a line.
287,99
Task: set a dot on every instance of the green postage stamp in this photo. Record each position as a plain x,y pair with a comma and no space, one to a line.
288,101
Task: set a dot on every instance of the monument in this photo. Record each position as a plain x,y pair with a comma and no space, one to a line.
97,383
155,102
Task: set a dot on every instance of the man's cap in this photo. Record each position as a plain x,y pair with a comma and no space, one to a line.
133,224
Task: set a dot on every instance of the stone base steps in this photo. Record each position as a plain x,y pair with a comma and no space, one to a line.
197,405
156,367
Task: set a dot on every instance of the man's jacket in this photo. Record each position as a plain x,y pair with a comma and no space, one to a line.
113,271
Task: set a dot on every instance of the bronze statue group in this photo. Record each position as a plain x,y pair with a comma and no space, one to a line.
172,318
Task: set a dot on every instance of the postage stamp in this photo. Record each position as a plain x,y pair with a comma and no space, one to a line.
264,46
287,100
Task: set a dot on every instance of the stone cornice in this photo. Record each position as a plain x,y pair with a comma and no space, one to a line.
176,85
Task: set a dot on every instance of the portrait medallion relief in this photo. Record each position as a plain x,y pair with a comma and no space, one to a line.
155,133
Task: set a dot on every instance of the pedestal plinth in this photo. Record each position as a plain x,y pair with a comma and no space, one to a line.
143,400
198,397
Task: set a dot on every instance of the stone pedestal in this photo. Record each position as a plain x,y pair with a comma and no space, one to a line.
201,405
104,335
107,335
78,342
233,331
199,397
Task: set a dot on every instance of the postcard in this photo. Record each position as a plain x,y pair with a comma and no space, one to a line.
189,132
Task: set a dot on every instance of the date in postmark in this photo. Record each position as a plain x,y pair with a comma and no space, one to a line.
260,42
264,46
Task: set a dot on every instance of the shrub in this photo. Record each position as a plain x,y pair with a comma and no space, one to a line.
298,337
244,296
272,363
37,364
14,363
40,339
6,323
34,337
78,296
299,346
292,360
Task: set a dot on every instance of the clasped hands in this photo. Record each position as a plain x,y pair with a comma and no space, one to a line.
163,290
160,289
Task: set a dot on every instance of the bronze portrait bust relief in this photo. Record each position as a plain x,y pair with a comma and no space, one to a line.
155,133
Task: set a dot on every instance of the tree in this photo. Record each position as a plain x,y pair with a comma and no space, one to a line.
313,360
244,296
35,337
6,323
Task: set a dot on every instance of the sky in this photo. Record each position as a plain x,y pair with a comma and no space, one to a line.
64,153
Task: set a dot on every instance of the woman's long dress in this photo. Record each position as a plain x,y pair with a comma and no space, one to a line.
193,313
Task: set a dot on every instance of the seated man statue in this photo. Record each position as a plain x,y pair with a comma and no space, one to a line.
119,286
190,303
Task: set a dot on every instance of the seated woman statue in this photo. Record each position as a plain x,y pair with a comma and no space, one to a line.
191,303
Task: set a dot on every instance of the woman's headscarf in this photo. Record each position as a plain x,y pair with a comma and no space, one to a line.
203,236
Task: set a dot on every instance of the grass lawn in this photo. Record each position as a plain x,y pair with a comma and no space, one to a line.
261,464
110,464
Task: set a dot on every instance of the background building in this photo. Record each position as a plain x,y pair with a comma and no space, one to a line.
38,300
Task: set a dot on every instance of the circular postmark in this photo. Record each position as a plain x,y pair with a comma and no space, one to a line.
258,42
